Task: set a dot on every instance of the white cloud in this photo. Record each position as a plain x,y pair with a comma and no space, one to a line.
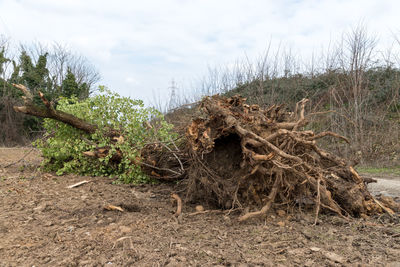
139,46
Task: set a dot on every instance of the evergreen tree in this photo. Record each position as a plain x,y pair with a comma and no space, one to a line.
3,59
36,77
69,85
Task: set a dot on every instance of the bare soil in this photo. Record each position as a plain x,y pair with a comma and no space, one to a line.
43,223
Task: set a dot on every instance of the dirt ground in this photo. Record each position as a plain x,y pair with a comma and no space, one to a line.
44,223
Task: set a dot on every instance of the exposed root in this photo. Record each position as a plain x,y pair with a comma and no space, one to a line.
318,202
271,199
178,204
245,156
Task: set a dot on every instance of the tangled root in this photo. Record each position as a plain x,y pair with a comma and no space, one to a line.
243,155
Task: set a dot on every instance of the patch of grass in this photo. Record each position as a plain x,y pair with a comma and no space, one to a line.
377,170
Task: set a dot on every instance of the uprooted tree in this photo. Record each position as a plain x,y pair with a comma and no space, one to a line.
236,156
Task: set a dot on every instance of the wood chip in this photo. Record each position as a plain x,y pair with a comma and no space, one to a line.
281,224
78,184
112,207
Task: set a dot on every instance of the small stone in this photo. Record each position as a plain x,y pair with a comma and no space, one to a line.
208,252
125,229
281,213
315,249
40,208
179,246
181,259
309,263
281,224
334,257
199,208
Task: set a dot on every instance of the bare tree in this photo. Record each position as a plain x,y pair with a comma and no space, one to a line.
62,58
349,96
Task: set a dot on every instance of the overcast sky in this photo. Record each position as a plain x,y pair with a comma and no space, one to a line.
140,46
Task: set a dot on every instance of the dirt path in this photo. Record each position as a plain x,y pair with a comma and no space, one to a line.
386,187
43,223
387,184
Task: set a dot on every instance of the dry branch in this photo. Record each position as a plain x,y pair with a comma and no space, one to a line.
49,112
112,207
78,184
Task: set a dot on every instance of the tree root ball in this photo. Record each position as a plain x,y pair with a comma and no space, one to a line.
245,156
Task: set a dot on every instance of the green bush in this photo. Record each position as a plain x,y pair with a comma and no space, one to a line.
63,145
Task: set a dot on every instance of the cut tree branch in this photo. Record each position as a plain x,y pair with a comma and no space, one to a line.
50,112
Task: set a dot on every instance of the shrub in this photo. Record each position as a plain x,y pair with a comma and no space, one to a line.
63,146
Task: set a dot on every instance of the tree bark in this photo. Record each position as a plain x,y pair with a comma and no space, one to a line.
48,111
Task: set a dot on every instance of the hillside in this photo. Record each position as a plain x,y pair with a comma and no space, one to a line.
367,112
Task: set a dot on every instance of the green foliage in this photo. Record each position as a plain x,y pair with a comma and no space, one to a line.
394,170
3,59
35,76
64,146
70,87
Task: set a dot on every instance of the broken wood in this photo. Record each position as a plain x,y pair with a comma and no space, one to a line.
112,207
178,204
49,111
78,184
